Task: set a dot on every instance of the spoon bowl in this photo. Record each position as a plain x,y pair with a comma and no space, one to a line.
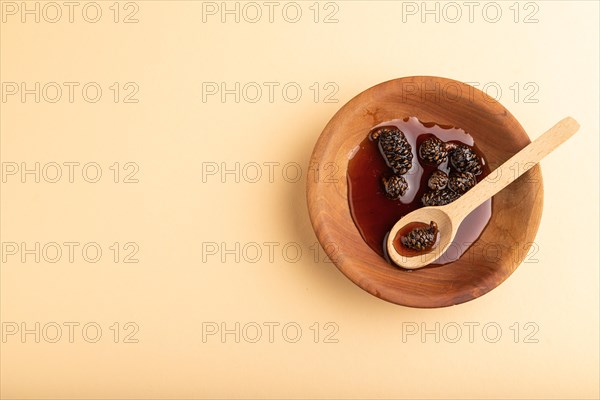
446,228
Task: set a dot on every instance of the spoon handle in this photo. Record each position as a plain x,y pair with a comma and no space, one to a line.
523,160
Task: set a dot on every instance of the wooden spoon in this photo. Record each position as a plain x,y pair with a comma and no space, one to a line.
449,217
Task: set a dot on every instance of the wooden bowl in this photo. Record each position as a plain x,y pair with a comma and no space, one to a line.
516,211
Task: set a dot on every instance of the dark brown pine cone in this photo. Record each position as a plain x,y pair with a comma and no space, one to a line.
421,238
464,159
439,197
395,149
438,180
377,132
395,186
433,151
460,182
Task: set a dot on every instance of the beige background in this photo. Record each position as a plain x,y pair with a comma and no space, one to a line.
171,135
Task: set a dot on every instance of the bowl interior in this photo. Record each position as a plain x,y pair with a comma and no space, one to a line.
516,211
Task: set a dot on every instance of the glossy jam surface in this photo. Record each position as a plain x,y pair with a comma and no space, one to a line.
375,215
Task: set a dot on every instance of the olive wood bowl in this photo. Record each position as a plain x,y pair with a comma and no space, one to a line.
516,210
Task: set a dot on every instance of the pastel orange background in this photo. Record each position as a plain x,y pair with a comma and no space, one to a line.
180,220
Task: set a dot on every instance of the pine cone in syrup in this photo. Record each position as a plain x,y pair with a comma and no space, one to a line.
395,149
460,182
433,151
439,197
438,180
464,159
421,238
395,186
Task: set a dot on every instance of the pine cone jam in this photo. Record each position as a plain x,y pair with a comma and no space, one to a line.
416,238
405,164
